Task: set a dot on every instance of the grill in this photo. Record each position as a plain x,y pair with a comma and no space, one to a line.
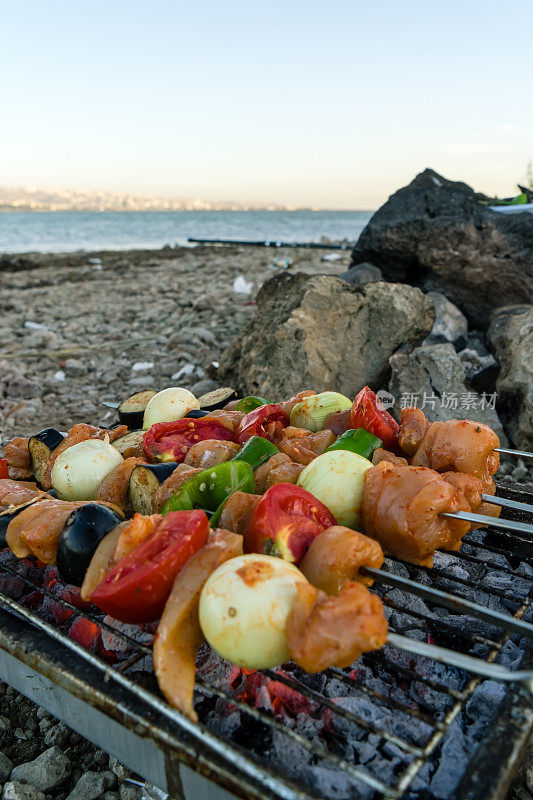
395,725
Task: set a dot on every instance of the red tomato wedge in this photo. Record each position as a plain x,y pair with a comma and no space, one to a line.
267,421
366,414
171,441
4,473
137,588
285,522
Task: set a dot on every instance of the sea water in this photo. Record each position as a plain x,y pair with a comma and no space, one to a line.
60,231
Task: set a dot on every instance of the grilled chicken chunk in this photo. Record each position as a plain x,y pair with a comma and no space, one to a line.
402,509
171,485
36,530
228,418
18,459
457,445
327,631
380,454
473,488
114,487
288,405
14,493
210,452
278,469
302,446
335,557
237,512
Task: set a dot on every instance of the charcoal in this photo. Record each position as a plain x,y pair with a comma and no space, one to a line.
453,761
482,706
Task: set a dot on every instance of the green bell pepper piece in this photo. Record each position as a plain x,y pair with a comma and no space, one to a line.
250,403
210,488
256,451
357,441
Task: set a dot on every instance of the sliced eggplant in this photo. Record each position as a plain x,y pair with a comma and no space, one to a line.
82,533
196,413
131,411
10,513
128,442
217,399
145,480
41,446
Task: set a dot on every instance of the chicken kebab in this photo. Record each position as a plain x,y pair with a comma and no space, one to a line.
241,524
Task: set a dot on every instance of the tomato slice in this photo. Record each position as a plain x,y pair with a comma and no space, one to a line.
285,522
366,414
137,588
267,421
171,441
4,472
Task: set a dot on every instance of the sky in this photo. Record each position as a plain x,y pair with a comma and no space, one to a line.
329,104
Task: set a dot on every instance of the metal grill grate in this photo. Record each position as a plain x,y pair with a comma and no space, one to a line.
390,727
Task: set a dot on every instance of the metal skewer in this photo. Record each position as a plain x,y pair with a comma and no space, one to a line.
519,453
503,501
484,668
454,603
495,522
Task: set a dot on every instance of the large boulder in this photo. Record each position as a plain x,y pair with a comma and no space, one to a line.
321,333
432,378
510,335
435,233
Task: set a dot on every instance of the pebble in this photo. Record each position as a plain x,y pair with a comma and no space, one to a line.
90,786
128,791
57,735
46,771
118,769
21,791
6,767
5,723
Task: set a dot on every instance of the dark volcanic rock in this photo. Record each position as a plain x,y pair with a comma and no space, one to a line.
322,333
511,336
435,234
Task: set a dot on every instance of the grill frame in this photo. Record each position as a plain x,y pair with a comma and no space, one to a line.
46,651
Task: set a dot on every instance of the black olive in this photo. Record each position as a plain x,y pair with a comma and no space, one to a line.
82,533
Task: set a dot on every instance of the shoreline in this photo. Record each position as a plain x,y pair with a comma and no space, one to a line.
148,319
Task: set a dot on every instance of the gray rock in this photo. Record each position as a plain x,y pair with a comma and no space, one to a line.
481,371
321,333
435,234
118,769
90,786
6,766
433,378
57,735
5,724
510,335
204,386
45,772
21,791
22,387
362,273
204,334
450,323
128,791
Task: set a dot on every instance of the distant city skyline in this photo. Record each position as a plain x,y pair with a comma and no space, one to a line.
299,104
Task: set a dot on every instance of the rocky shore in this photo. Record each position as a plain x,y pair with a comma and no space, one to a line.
79,329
